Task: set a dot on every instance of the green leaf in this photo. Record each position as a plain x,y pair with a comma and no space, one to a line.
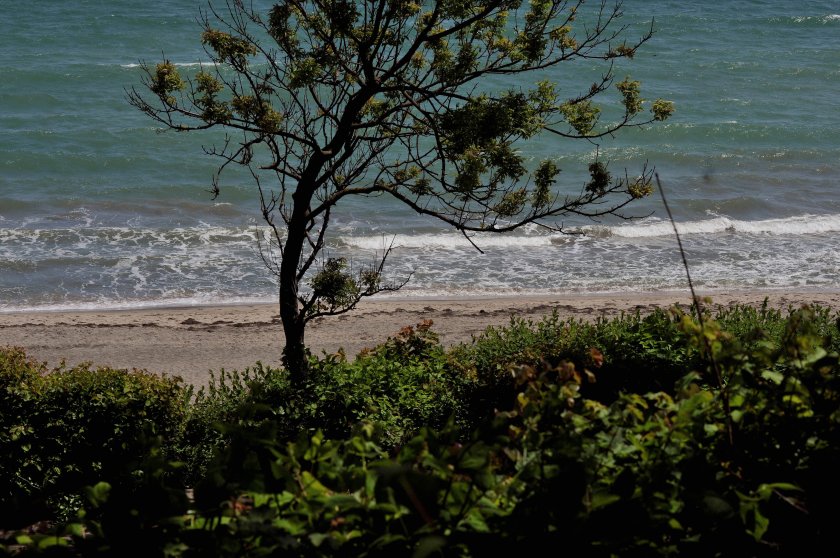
429,546
50,542
294,528
775,377
75,530
762,523
98,493
475,520
312,486
318,538
783,486
341,502
815,355
602,499
717,506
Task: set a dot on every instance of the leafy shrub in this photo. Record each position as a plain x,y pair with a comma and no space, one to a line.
20,466
489,360
229,397
66,428
399,386
754,326
632,353
641,353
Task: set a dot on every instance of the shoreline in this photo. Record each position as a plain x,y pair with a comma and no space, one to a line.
189,341
774,293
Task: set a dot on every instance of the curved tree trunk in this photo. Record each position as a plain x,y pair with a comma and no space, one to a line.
294,353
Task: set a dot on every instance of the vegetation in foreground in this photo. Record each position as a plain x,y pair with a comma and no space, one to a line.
640,436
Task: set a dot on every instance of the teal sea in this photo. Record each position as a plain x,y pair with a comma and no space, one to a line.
99,208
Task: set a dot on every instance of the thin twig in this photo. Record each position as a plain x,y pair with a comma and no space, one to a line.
694,298
706,345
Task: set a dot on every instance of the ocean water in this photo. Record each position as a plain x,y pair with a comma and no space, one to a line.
98,208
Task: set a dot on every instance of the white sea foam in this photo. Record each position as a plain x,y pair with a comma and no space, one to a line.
66,242
112,304
178,64
450,240
797,225
822,19
123,235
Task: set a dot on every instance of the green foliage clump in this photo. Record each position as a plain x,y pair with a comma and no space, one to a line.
631,97
582,116
229,48
333,286
228,398
166,81
633,353
213,110
258,111
397,388
662,110
600,178
544,179
335,289
64,429
639,188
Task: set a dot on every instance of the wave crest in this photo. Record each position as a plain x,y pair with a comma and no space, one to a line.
652,228
797,225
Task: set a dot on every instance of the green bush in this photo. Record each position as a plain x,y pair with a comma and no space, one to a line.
641,353
21,466
754,326
67,428
230,396
400,386
398,392
632,353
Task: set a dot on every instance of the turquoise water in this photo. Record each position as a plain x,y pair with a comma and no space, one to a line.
98,208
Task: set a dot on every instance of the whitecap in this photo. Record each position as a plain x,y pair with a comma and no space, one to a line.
178,64
796,225
447,241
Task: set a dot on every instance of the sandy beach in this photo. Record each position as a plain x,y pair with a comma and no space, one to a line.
191,341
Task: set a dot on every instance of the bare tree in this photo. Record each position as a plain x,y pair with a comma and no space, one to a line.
336,98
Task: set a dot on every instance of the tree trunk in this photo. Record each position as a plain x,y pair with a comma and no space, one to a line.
294,352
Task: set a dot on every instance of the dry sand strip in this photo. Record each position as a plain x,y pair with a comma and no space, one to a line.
191,341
